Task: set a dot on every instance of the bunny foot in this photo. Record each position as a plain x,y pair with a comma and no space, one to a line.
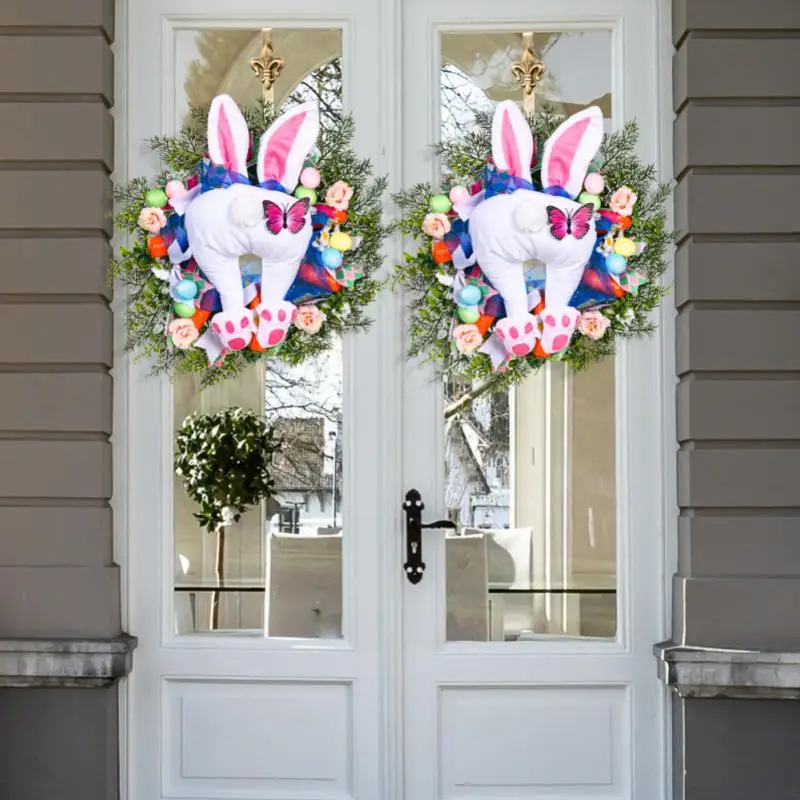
558,325
518,335
234,328
274,321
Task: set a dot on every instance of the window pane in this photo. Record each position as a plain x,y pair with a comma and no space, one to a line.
278,572
530,472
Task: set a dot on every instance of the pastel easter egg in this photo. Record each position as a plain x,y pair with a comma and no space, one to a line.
616,264
174,189
156,198
184,310
440,203
156,247
332,258
310,177
303,191
468,315
594,183
470,295
341,241
440,252
625,247
586,198
459,194
186,290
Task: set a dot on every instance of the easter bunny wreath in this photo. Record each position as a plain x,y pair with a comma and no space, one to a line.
550,248
231,260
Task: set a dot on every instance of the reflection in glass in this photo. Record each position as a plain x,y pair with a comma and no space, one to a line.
530,474
278,572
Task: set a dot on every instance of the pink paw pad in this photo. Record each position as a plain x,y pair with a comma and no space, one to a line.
558,327
274,322
235,329
518,335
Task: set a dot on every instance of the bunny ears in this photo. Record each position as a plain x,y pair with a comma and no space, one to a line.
282,149
567,153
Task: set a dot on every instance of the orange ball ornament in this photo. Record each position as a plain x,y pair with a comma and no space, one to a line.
440,252
340,216
156,247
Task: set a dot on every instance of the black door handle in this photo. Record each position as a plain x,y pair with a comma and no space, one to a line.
413,507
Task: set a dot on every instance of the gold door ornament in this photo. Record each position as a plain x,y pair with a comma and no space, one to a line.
527,72
267,66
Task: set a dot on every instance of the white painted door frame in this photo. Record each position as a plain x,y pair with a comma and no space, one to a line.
389,667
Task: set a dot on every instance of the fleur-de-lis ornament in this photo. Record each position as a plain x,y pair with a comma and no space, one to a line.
527,72
267,66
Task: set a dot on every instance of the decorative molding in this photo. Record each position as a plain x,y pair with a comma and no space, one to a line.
708,672
65,662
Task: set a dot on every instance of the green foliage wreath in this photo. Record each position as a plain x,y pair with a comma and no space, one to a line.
427,274
141,267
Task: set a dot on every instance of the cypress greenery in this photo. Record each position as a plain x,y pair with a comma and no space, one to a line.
432,304
148,300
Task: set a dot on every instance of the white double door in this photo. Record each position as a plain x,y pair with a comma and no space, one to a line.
469,684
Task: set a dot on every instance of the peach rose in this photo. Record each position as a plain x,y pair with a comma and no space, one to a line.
593,324
467,338
436,225
183,333
309,318
152,219
622,201
338,196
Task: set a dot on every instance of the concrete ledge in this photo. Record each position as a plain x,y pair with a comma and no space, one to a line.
708,672
78,663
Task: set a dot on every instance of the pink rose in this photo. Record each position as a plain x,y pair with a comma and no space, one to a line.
183,333
309,318
152,219
467,338
436,225
593,324
338,196
622,201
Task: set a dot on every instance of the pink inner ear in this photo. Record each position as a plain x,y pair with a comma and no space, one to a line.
510,149
278,147
562,154
227,145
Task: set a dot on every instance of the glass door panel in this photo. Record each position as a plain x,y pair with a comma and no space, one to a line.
530,472
278,571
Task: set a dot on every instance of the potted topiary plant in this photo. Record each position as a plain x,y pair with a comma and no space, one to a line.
224,460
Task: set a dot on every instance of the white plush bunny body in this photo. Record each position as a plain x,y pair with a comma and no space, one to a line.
213,244
510,229
224,224
502,247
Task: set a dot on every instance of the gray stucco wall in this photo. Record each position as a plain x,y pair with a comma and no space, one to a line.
737,143
57,578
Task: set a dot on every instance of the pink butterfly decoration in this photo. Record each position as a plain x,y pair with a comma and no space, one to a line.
293,217
579,223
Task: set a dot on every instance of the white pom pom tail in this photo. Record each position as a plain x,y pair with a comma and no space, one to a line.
246,211
530,216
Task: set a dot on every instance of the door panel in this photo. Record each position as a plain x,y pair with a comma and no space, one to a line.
259,667
353,682
527,643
